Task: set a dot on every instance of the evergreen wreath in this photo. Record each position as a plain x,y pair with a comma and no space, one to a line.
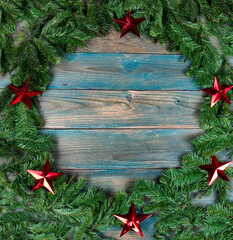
56,27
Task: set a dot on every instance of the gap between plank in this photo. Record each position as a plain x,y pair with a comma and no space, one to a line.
118,90
123,128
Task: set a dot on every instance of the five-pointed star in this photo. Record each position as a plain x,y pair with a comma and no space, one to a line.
218,92
129,24
132,221
216,169
23,94
44,177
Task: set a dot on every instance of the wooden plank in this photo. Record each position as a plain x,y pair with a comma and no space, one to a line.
120,71
121,109
113,159
121,148
123,71
128,44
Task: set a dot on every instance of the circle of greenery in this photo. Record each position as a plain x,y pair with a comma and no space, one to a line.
56,27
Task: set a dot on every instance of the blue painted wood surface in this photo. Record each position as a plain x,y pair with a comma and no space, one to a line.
123,71
120,109
120,71
122,148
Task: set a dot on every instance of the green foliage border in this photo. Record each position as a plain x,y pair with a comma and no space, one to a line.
54,28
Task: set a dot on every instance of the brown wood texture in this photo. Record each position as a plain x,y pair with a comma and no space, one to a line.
128,44
120,109
121,148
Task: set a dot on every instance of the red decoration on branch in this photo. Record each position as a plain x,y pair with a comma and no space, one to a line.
23,94
132,221
218,92
44,178
129,24
216,169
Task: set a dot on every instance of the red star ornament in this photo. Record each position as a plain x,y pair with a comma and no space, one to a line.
216,169
23,94
44,178
129,24
218,92
132,220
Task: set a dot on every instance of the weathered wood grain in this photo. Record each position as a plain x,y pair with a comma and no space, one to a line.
123,71
120,71
120,109
121,148
128,44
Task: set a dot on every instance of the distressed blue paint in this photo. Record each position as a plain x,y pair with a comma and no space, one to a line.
120,71
122,149
130,65
120,109
123,71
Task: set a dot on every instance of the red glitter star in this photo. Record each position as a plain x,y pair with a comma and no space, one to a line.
44,178
23,94
129,24
218,92
216,169
132,221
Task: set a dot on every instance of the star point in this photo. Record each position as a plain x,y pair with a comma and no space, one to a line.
129,24
216,169
44,177
132,220
23,94
218,92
